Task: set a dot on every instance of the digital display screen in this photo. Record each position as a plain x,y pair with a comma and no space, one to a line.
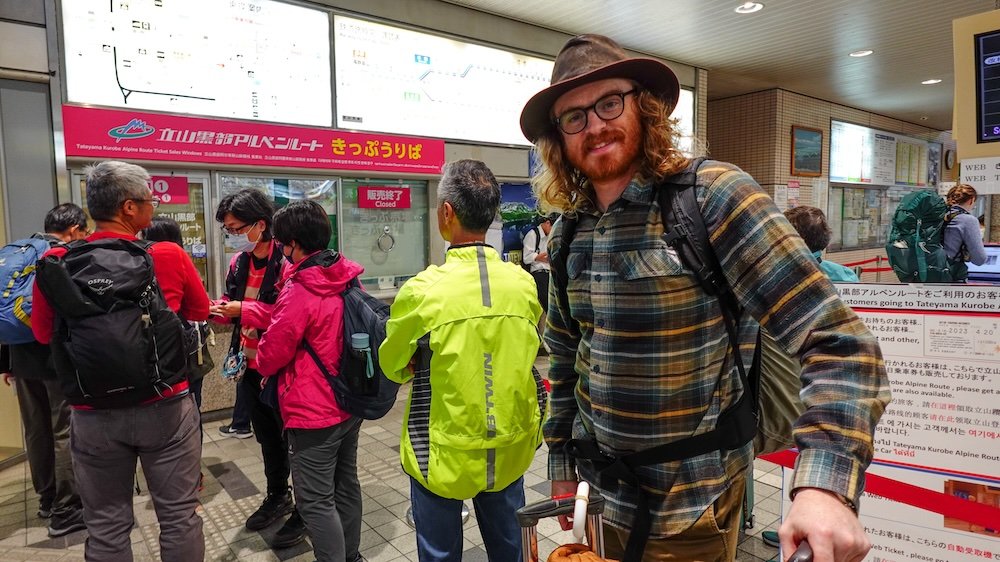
988,86
253,59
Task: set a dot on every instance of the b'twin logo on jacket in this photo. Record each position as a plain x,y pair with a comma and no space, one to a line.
100,285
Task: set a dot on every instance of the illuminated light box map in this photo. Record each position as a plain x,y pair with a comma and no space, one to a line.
246,59
405,82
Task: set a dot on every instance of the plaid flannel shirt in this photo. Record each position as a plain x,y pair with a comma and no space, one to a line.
653,363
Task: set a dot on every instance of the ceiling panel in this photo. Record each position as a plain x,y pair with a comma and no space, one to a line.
798,45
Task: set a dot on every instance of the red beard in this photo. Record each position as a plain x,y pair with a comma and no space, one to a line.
611,165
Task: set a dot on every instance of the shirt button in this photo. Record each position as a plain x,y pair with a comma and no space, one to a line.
600,323
597,277
599,413
601,230
597,368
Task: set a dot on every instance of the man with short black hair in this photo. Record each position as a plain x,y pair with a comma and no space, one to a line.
642,355
44,411
161,428
465,333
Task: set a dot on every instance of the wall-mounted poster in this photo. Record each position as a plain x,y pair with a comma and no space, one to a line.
261,59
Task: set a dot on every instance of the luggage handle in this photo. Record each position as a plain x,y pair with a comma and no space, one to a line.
530,515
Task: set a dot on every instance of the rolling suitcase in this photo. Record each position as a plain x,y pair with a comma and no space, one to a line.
529,516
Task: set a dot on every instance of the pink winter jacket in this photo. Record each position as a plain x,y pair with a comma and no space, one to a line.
309,308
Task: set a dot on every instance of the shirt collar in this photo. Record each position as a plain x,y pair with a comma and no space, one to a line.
637,191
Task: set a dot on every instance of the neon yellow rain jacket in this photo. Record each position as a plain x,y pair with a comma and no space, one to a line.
474,417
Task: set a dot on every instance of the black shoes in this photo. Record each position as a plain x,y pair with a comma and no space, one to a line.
64,525
291,533
273,508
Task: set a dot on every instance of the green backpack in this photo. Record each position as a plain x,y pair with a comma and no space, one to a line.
914,247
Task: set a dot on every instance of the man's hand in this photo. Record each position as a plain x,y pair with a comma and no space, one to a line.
229,309
561,488
831,528
542,257
7,378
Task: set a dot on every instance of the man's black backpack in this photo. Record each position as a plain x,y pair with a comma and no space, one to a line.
360,387
685,231
116,343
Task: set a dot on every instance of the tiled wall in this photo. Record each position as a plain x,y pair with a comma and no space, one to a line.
754,132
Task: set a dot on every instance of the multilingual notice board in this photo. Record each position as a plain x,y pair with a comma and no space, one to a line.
941,432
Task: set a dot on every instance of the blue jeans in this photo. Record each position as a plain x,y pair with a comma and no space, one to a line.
439,523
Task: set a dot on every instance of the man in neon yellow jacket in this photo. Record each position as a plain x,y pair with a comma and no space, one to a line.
465,333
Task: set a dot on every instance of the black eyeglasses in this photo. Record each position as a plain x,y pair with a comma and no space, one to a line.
236,230
608,108
154,201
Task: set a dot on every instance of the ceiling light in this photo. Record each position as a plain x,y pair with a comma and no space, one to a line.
862,53
749,8
931,81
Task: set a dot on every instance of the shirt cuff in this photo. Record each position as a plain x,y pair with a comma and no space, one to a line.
561,466
817,468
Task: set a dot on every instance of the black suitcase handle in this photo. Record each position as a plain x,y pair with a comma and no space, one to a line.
530,515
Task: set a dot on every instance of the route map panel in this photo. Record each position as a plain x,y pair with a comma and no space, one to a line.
245,59
405,82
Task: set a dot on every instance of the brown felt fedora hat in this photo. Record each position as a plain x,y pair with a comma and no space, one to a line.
588,58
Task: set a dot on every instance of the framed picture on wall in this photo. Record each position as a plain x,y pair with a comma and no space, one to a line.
807,151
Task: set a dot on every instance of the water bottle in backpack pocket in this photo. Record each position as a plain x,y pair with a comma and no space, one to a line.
358,368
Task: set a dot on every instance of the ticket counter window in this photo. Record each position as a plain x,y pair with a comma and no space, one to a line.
385,229
182,198
283,190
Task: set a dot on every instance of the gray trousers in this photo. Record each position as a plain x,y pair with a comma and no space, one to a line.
165,437
45,415
327,492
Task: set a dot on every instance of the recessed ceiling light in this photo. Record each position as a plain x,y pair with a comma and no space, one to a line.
931,81
749,8
862,53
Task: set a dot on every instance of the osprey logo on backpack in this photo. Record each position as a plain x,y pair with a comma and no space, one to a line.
17,274
100,285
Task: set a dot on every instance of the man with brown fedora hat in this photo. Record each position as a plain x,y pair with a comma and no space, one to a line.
645,383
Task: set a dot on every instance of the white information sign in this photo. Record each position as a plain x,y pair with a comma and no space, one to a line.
252,59
982,174
941,432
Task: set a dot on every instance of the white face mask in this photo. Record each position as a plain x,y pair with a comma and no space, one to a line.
242,242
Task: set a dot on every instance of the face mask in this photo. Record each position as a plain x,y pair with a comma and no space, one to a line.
241,242
289,255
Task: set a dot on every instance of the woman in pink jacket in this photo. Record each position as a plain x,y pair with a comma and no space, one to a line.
322,438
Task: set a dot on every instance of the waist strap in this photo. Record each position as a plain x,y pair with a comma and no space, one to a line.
736,427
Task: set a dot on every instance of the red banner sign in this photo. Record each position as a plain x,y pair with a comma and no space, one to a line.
132,135
383,197
170,190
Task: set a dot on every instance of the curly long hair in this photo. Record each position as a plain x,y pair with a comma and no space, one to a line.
560,187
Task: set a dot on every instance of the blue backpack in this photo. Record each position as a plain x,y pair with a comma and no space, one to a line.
17,275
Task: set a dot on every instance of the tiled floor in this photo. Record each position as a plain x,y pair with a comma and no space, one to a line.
234,473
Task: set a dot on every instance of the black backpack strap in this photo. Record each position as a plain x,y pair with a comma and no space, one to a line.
557,266
315,357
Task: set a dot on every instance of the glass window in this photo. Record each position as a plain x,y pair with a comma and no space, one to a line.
284,190
386,231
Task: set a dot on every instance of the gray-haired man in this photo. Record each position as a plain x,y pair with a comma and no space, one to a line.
110,430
